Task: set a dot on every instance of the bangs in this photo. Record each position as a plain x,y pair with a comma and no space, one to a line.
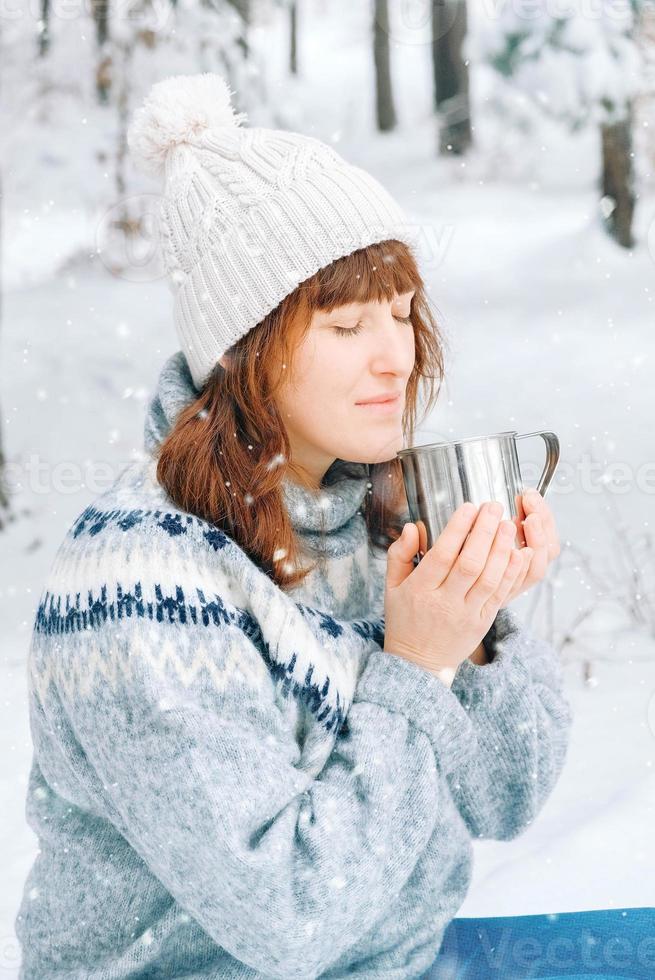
370,274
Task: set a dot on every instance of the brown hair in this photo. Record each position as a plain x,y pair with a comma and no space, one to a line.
228,451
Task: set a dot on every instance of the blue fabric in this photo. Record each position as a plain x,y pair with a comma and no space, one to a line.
613,944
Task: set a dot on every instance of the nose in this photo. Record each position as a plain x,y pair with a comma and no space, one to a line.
393,346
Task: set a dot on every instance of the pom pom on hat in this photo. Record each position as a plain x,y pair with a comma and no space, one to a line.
178,110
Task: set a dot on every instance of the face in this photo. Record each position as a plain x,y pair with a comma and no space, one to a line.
348,356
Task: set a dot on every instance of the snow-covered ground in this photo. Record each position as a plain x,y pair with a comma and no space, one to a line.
549,326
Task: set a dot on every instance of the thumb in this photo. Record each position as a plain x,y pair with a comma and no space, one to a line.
400,556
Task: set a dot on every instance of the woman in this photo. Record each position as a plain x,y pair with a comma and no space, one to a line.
263,738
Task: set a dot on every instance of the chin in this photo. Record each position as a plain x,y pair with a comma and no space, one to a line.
383,456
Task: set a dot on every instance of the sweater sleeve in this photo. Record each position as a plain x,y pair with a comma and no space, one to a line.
522,721
282,869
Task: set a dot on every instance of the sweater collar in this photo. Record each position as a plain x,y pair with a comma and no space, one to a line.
327,509
175,389
333,505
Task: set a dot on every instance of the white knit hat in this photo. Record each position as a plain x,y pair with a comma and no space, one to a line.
247,214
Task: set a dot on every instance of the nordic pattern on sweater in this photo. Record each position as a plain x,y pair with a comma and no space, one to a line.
216,586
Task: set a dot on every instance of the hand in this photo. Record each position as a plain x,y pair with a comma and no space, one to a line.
439,611
541,537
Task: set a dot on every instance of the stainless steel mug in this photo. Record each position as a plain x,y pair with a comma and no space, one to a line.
440,477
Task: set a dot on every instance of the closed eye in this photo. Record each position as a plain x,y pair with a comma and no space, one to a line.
356,329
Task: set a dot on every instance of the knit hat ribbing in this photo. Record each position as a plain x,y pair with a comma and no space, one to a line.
247,214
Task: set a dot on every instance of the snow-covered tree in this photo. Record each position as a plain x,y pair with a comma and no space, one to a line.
149,40
244,10
645,130
581,65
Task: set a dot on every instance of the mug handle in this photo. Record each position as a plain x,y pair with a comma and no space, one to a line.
552,457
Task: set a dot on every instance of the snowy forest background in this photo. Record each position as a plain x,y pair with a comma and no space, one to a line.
519,135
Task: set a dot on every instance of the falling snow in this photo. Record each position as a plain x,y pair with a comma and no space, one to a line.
549,326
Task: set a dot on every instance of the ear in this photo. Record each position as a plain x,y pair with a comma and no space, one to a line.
223,360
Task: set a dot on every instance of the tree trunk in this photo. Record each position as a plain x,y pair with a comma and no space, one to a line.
123,111
617,180
44,28
450,73
385,110
293,47
100,11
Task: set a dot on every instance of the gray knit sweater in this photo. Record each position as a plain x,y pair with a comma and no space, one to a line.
233,780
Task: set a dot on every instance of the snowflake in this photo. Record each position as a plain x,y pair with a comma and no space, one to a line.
277,460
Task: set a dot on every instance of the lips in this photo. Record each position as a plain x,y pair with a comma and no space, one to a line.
389,408
380,399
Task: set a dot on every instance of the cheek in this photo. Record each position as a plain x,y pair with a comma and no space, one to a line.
327,374
323,397
411,352
317,391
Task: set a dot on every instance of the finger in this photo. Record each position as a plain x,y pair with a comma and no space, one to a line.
511,587
495,567
535,503
473,556
521,584
552,534
438,560
535,537
400,556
